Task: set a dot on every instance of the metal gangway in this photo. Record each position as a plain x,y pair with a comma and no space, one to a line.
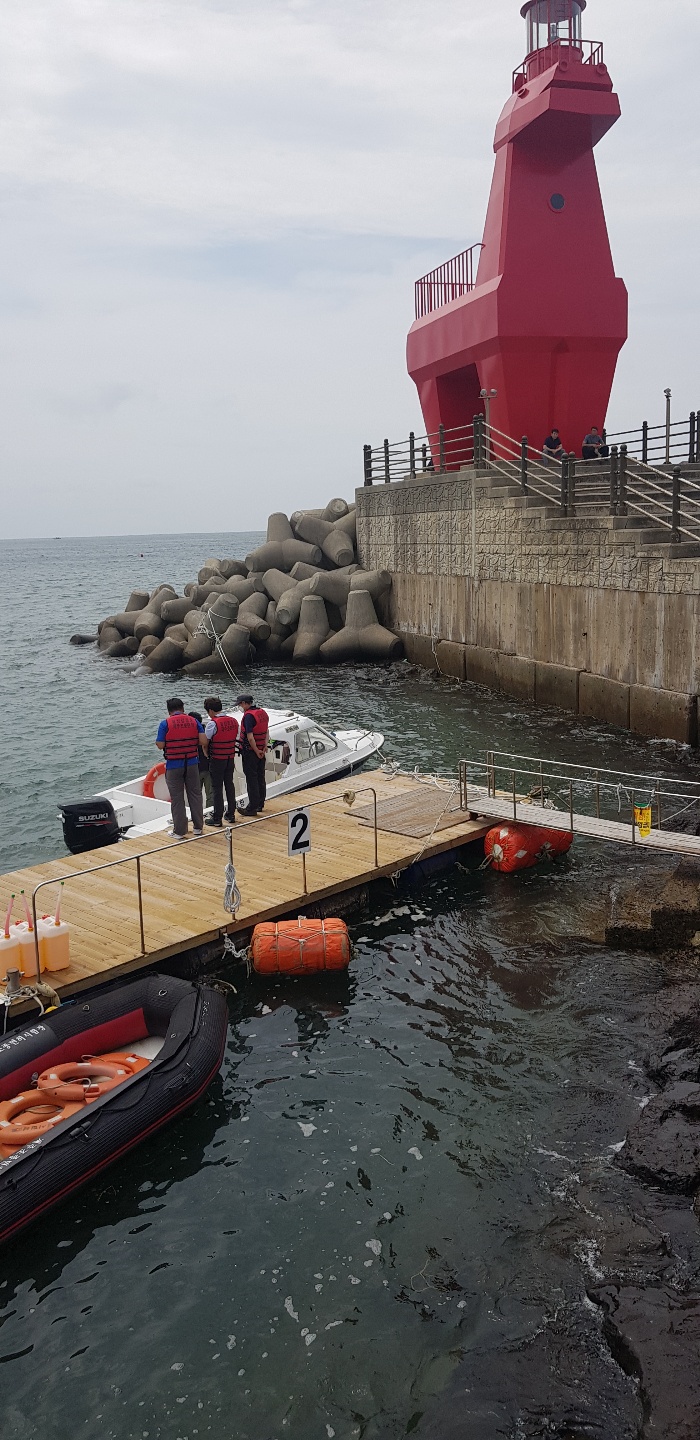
612,805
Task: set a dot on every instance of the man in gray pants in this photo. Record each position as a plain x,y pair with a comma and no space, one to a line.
178,738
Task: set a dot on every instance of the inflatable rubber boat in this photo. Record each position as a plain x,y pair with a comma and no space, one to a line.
107,1072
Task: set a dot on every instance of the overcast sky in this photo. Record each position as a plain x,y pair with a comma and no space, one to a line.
213,212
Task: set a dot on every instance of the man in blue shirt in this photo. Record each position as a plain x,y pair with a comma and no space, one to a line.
178,738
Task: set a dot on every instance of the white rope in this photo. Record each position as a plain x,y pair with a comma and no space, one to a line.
232,894
202,630
44,995
391,769
232,903
397,873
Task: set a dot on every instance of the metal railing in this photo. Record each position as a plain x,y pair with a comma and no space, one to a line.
447,282
162,852
674,443
618,483
435,452
588,52
569,791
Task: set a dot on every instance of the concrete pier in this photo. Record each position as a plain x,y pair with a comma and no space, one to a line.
576,612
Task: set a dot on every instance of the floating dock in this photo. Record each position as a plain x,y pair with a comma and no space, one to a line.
137,904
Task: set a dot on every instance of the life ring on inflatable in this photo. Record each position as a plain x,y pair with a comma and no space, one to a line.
83,1080
127,1061
16,1126
149,783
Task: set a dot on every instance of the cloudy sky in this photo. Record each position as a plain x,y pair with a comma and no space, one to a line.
213,212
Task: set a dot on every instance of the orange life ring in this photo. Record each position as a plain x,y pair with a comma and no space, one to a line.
129,1062
16,1129
154,774
83,1080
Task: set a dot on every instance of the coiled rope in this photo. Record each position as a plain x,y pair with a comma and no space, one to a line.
232,903
202,629
45,996
232,894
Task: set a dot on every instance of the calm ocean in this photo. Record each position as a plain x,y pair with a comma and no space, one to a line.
383,1217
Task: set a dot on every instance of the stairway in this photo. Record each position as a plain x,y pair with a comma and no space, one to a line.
652,540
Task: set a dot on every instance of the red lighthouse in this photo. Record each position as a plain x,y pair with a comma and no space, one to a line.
545,318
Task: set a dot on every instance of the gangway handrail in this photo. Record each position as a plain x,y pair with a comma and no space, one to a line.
507,802
593,782
571,765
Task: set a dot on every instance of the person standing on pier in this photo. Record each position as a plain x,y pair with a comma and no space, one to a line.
253,743
220,740
178,738
204,775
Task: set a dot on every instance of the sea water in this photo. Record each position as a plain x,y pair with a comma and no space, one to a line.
384,1217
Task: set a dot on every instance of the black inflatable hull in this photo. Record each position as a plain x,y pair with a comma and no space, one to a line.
191,1019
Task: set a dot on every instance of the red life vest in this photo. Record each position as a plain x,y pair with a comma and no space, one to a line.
223,744
260,730
181,738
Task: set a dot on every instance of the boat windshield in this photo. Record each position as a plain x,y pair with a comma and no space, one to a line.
310,744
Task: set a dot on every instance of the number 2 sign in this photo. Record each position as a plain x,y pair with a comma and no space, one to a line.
299,832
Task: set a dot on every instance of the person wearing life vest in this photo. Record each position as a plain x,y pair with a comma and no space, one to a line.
178,738
220,743
254,729
204,775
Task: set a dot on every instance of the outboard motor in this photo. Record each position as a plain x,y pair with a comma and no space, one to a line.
87,824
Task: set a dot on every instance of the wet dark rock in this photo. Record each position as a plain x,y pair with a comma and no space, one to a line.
83,639
675,1036
654,1335
557,1384
664,1145
659,911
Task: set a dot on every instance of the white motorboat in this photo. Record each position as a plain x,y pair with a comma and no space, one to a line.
300,753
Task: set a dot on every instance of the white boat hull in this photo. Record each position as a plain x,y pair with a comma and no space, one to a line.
315,755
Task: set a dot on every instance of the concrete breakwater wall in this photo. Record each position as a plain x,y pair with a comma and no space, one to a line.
574,612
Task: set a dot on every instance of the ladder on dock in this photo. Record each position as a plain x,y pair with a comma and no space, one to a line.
612,805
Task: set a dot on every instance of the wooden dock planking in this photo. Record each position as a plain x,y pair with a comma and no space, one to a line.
183,885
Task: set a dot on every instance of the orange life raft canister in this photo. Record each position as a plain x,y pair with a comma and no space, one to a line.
518,847
300,947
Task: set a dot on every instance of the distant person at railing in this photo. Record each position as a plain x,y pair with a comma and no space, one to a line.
553,448
594,446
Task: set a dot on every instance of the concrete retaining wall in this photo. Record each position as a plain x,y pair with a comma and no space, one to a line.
569,613
662,713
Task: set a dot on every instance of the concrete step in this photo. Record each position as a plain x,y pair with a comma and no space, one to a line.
639,537
531,502
505,492
687,550
628,522
575,522
658,536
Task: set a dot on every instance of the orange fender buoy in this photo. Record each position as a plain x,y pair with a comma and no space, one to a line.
29,1116
300,947
154,774
84,1080
511,847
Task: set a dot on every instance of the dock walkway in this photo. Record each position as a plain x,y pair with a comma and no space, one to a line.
182,882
